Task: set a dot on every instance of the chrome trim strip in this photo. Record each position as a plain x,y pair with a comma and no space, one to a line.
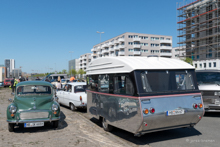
212,110
27,121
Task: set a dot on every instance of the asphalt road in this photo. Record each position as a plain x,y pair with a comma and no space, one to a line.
205,134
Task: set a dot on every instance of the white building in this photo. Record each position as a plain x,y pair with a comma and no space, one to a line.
10,65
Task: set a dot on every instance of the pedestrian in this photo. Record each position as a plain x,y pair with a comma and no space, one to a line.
27,78
47,80
38,79
12,84
21,79
58,85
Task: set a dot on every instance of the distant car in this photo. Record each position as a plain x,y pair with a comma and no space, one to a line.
1,84
33,105
64,82
7,82
73,95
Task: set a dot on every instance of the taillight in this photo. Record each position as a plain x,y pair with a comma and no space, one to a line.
195,106
80,98
145,111
200,105
152,110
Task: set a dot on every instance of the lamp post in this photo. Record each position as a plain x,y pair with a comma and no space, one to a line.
100,34
70,62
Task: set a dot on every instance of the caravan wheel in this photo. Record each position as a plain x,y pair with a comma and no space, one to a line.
106,126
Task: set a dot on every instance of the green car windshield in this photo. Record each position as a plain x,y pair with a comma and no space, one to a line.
33,90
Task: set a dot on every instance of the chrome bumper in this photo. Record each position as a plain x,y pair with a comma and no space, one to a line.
28,121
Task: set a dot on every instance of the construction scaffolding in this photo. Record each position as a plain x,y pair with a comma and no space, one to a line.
199,29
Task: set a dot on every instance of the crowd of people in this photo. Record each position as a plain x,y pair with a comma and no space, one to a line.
14,82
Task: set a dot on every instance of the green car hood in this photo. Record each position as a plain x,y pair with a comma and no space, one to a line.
33,103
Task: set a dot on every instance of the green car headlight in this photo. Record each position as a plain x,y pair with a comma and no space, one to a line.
12,109
54,107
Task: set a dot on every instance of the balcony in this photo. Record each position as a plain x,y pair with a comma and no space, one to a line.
121,53
137,53
121,46
93,49
105,51
99,53
121,39
116,48
111,49
166,47
111,55
137,39
137,46
84,61
165,41
94,54
166,54
110,43
116,41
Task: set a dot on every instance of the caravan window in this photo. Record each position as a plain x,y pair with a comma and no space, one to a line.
167,81
103,83
123,85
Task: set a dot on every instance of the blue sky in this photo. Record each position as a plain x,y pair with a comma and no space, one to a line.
40,33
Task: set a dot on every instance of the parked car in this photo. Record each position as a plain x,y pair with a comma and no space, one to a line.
73,95
209,85
33,105
64,82
7,82
1,84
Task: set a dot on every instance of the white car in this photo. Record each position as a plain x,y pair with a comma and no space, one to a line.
73,95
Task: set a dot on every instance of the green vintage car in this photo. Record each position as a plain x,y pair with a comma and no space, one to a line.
33,105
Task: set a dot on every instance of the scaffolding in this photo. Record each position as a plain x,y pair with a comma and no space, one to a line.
199,29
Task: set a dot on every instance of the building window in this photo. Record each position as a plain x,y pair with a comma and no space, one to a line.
197,56
210,64
167,38
161,38
135,36
145,44
154,45
214,64
195,65
130,36
130,55
130,50
130,43
144,51
200,65
154,51
204,65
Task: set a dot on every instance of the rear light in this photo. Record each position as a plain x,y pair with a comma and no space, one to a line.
152,110
200,105
80,98
145,111
195,106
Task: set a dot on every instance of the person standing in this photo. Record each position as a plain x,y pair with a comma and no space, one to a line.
12,84
27,78
22,79
58,85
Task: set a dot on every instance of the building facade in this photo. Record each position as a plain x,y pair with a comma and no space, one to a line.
84,60
178,52
74,64
199,30
16,73
9,65
134,44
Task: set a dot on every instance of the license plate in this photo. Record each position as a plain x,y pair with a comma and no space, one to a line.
175,112
36,124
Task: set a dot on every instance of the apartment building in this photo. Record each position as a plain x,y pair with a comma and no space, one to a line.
74,64
9,65
134,44
178,52
199,31
84,60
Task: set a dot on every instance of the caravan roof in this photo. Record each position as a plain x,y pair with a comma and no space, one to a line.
129,64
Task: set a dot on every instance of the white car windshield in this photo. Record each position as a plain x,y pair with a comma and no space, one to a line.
33,90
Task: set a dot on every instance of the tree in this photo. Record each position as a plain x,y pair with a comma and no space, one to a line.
81,72
73,72
64,71
188,60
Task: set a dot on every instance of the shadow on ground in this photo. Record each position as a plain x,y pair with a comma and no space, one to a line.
47,126
212,114
151,137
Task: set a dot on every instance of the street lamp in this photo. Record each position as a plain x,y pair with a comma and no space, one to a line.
70,62
100,34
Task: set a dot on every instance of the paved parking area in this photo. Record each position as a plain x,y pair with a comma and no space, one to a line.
77,129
